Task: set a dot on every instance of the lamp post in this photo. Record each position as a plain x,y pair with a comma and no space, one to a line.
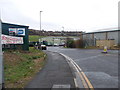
62,31
40,26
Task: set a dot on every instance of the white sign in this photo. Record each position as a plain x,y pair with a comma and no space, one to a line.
12,30
17,31
11,39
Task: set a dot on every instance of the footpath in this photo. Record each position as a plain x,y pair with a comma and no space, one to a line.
55,74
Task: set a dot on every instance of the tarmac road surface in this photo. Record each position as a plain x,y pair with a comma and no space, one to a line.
101,69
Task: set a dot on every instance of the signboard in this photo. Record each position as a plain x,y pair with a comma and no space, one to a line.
21,31
11,39
12,30
17,31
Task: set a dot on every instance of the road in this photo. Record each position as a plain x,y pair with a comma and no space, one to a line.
101,69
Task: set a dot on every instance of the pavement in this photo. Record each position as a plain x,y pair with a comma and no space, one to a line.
55,74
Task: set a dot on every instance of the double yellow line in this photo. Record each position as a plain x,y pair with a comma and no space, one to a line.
85,81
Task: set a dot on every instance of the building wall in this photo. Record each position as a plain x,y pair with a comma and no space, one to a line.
113,35
100,36
5,30
109,43
90,38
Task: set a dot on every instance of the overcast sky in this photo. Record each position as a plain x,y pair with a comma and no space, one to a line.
73,15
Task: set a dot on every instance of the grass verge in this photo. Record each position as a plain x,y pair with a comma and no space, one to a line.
21,66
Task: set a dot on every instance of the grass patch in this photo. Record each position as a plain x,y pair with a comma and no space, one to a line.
21,66
34,38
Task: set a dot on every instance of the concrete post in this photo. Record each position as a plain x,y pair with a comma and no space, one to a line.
1,59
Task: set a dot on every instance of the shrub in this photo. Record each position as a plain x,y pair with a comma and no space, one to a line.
70,43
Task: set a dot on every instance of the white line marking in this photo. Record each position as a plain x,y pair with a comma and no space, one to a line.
83,77
92,57
76,85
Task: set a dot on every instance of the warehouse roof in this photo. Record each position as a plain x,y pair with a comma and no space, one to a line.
102,31
14,24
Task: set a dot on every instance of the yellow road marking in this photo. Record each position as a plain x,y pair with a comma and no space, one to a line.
83,81
85,77
86,83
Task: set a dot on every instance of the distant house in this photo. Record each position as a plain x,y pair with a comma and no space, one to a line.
14,36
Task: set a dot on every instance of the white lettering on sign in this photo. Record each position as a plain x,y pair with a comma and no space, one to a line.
11,39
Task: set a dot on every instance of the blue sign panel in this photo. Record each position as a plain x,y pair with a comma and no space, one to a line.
21,31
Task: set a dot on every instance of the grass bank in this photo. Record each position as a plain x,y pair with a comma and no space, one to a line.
21,66
34,38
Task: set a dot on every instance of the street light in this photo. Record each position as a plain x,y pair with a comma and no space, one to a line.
40,25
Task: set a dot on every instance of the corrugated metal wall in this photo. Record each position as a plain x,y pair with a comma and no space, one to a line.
90,38
113,35
100,36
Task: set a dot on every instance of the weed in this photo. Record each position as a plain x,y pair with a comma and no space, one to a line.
20,65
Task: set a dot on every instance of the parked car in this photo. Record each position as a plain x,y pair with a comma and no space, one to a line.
43,47
32,44
55,44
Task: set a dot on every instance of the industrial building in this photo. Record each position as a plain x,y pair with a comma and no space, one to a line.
102,38
14,36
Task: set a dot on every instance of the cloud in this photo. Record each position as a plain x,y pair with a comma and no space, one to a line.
84,15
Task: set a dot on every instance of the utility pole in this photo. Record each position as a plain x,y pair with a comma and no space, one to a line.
40,27
62,31
1,59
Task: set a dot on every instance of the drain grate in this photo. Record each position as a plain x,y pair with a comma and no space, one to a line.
61,86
